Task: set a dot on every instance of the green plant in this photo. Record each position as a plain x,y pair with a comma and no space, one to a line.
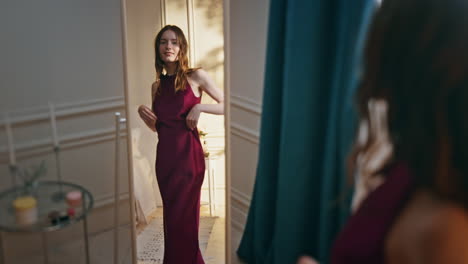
202,134
202,137
31,175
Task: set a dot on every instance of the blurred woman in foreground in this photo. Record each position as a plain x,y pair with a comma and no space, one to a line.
416,62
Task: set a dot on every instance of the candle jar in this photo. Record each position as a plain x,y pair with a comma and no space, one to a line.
74,198
25,210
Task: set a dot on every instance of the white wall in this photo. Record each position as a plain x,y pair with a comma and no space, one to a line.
246,30
60,51
68,53
208,43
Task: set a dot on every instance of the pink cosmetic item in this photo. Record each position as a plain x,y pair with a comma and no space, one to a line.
74,198
71,212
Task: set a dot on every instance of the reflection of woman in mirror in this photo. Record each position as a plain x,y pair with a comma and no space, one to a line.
180,165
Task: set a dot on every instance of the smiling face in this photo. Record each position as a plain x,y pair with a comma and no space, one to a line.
169,47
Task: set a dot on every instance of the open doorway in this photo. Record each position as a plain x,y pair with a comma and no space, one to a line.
202,23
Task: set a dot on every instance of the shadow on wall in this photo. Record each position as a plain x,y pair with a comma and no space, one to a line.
212,9
212,62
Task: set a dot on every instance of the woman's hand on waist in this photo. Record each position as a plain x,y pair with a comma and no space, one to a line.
193,116
147,115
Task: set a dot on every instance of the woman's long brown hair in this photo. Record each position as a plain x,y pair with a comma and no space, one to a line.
416,60
182,63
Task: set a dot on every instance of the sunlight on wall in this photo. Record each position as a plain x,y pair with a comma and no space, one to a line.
209,54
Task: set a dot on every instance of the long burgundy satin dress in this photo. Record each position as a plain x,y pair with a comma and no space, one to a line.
180,168
362,240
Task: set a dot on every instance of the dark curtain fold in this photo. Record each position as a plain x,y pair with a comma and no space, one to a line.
308,122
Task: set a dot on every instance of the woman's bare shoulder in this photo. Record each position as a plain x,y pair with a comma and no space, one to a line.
429,231
449,221
446,237
198,75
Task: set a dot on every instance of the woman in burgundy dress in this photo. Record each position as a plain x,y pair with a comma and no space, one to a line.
180,164
416,60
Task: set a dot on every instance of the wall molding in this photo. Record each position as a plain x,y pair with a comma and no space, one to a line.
32,116
76,140
236,215
246,104
240,212
108,199
191,32
240,204
241,198
63,110
215,148
245,132
162,6
219,187
215,142
215,134
237,225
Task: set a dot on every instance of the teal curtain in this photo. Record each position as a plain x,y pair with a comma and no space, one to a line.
308,121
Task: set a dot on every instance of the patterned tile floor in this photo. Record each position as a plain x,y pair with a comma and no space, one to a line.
150,243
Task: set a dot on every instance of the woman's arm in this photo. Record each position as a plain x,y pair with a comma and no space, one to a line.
148,117
146,113
154,87
206,84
